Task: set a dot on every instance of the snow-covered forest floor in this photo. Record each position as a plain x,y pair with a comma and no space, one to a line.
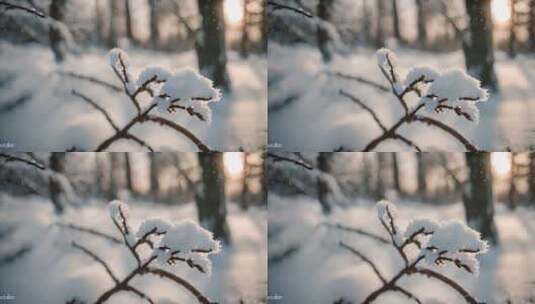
506,119
33,95
320,271
58,272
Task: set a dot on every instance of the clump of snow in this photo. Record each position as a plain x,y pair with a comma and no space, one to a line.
384,208
384,56
387,61
158,225
187,236
115,56
187,84
426,226
455,236
119,61
115,208
424,74
457,85
158,74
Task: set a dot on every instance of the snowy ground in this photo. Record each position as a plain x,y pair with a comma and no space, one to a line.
54,120
319,119
57,272
322,272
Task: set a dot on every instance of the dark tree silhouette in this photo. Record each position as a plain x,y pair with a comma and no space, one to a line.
211,50
153,23
113,36
211,204
57,39
421,176
324,11
380,24
324,190
128,20
421,22
396,21
479,52
479,207
57,196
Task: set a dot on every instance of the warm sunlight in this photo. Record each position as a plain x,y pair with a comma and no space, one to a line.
233,163
501,163
501,10
233,11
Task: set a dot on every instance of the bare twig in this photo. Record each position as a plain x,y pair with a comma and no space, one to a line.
430,121
363,80
192,289
173,125
90,231
13,158
32,10
97,107
438,276
279,6
97,259
91,79
366,260
365,107
358,231
278,158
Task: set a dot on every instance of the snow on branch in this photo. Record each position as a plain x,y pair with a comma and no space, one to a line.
183,242
184,90
447,243
452,91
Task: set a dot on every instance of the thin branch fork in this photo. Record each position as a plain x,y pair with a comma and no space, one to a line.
90,231
32,10
359,231
363,80
279,6
90,79
280,158
142,267
13,158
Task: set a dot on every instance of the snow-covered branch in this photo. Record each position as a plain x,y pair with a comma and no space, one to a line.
184,242
447,243
184,90
452,91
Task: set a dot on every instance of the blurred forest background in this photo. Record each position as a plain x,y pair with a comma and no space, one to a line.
332,43
47,44
494,193
45,197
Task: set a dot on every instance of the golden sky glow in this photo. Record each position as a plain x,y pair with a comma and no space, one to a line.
233,11
233,163
501,163
501,11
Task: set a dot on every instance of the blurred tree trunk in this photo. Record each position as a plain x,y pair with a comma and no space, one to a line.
212,207
531,25
154,177
421,176
244,45
366,175
57,196
422,22
99,20
115,167
381,168
128,19
113,35
128,172
512,183
395,16
324,11
395,173
512,31
531,177
367,22
211,48
154,23
479,53
100,174
380,34
324,161
264,28
264,180
479,207
245,185
57,40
